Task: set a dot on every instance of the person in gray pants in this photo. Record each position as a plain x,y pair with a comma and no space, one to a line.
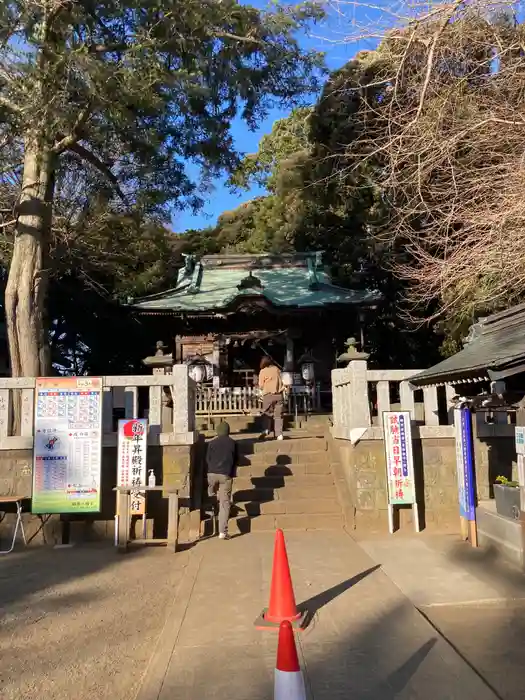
222,460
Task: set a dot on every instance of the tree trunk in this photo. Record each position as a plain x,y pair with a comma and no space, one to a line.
27,283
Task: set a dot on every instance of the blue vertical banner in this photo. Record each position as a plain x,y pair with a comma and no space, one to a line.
465,463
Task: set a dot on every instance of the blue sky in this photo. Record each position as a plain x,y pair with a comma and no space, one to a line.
221,198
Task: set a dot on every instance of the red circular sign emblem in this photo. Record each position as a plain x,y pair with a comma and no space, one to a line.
133,428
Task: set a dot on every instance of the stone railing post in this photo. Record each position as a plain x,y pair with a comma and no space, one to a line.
183,403
353,397
359,408
351,407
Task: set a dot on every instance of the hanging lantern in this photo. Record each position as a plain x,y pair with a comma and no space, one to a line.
197,372
287,378
307,364
308,372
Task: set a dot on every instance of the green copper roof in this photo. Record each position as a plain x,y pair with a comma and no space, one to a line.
216,282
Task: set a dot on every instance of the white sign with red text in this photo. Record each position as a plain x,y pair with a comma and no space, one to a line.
132,451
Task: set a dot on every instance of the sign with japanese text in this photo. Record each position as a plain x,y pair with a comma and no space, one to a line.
132,454
399,458
67,445
465,463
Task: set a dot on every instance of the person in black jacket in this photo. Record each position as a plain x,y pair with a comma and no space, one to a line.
222,458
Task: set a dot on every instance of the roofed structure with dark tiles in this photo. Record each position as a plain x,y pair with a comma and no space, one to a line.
494,350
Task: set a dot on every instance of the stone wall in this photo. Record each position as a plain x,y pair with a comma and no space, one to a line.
494,457
364,468
174,466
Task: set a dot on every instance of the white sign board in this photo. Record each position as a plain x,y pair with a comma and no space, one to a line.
399,463
399,457
132,456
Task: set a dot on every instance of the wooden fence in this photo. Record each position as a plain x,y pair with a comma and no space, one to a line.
246,400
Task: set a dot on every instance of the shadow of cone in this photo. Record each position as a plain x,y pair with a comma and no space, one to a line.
288,679
282,599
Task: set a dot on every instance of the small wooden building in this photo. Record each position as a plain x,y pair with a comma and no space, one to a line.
494,351
226,311
488,375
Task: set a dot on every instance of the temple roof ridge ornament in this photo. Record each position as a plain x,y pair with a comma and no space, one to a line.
189,263
312,272
196,278
250,282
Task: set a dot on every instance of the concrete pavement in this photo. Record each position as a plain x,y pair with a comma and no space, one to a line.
472,598
432,571
366,641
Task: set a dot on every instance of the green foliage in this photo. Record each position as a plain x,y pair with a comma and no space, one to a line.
503,481
277,151
318,201
122,96
136,89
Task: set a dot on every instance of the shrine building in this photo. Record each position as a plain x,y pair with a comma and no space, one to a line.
225,312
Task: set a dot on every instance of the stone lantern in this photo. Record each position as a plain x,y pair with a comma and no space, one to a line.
352,353
162,363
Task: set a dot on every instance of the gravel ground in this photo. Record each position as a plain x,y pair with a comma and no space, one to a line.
82,623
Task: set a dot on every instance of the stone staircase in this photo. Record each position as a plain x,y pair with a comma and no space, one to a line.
286,484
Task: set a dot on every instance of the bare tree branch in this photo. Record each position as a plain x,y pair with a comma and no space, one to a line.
439,130
73,137
93,160
430,60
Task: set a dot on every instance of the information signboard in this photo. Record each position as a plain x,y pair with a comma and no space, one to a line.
399,457
132,455
67,445
399,463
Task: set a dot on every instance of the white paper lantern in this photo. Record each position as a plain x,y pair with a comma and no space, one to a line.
197,373
287,378
308,372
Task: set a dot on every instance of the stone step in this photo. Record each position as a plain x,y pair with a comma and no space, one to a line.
312,481
285,493
314,422
291,446
285,521
291,469
284,458
294,506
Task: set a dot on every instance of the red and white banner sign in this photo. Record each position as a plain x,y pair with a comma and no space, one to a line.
132,457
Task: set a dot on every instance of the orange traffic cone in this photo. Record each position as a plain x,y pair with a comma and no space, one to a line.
282,599
288,680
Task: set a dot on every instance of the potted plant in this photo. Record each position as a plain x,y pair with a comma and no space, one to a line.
507,495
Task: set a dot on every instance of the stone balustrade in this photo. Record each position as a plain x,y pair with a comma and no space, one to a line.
360,396
167,400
